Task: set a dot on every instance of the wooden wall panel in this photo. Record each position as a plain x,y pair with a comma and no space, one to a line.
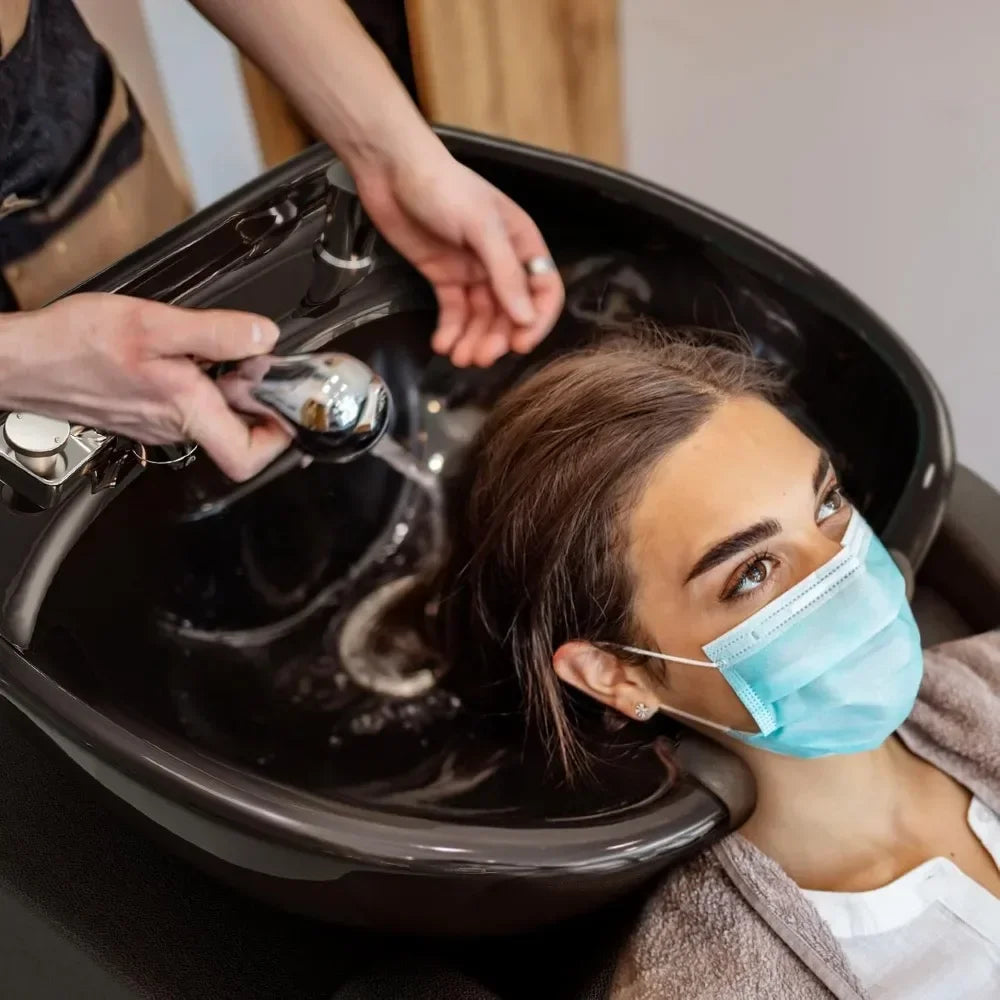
280,131
542,71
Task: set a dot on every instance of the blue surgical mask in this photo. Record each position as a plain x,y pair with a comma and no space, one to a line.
833,665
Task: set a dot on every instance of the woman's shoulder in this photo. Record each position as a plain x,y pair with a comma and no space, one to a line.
963,676
981,652
956,720
673,950
699,938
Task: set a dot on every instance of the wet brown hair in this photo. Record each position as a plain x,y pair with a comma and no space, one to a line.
538,517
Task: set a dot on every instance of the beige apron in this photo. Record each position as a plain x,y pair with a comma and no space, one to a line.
140,204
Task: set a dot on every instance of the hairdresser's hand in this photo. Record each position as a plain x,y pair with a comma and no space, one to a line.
469,240
125,365
472,243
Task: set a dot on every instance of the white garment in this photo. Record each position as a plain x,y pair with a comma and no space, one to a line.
933,934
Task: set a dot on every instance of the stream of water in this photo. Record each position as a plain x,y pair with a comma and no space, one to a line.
406,464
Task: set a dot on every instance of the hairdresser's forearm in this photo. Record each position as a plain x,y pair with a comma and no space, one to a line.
319,54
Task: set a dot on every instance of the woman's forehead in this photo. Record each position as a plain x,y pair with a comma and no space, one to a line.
747,462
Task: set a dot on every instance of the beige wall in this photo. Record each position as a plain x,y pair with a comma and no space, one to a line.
119,26
864,134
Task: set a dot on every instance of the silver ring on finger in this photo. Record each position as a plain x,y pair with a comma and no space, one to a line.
539,265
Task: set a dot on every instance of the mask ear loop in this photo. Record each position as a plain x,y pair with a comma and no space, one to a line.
664,656
669,709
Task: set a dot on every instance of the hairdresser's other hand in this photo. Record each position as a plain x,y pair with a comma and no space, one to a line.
129,366
472,243
469,240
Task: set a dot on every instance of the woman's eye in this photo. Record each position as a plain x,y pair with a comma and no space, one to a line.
754,574
833,503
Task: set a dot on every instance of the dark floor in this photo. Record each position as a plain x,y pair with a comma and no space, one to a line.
90,910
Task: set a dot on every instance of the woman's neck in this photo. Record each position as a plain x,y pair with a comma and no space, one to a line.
845,822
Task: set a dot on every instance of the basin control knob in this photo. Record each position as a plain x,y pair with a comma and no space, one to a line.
36,441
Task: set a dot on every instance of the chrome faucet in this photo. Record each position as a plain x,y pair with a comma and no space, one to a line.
335,405
344,253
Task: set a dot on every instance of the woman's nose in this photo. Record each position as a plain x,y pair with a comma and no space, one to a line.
817,548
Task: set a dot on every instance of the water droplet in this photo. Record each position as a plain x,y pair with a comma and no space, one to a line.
367,724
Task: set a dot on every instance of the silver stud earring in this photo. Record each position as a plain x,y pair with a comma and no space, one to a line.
642,711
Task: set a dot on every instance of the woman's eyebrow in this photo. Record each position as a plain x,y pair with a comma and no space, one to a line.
822,471
755,534
735,544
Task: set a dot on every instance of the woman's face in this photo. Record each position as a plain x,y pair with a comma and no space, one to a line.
729,520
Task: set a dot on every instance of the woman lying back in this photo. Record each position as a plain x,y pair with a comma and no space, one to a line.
643,528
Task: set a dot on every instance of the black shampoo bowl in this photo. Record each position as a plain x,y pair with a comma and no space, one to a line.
176,642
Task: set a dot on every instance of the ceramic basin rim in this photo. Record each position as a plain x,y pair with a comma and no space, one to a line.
300,819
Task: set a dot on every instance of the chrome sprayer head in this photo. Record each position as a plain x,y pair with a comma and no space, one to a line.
337,407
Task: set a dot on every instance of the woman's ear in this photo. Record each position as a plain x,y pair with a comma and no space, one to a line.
600,674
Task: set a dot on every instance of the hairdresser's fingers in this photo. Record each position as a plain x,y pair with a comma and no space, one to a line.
493,242
549,296
495,343
482,309
453,315
486,304
207,334
480,316
239,449
546,289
